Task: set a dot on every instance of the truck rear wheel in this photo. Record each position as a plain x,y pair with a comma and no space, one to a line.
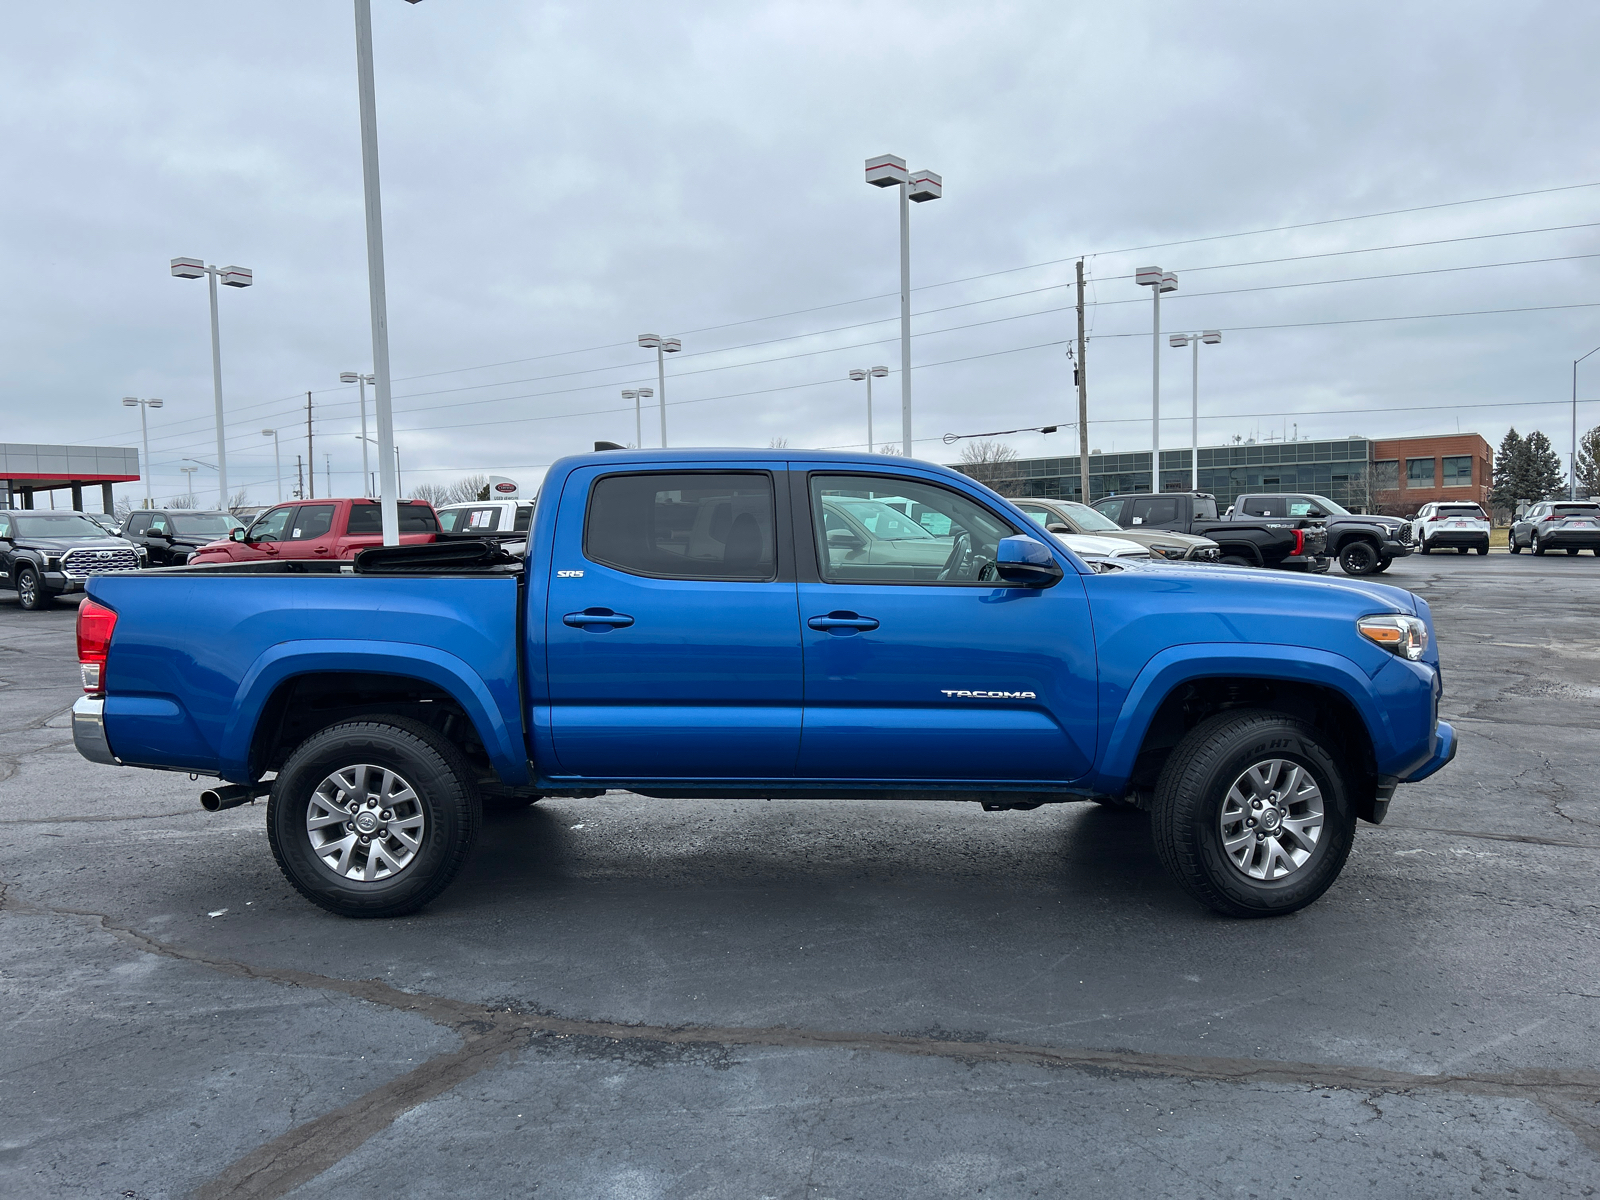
1251,814
373,818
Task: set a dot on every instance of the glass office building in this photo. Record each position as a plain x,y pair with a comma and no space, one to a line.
1336,469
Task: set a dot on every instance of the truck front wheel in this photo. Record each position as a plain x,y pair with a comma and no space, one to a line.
1359,557
32,595
373,818
1251,814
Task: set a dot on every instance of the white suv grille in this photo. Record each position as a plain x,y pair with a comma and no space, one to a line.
80,564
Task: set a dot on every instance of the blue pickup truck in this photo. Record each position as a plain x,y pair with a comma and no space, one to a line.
722,623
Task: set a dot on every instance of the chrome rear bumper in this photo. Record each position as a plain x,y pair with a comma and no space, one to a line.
89,730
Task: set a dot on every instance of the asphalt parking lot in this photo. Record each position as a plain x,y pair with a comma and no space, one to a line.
630,998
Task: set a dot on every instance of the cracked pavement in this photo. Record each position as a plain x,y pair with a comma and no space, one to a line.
633,998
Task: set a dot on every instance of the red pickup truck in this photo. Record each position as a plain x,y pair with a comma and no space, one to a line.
325,529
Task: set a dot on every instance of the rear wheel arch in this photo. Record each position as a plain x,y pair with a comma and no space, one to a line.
303,704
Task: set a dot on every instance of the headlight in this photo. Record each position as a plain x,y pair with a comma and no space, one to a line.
1405,636
1168,551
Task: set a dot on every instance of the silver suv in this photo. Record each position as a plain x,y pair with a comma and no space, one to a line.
1570,525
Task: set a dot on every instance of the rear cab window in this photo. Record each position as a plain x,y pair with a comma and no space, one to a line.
684,525
414,518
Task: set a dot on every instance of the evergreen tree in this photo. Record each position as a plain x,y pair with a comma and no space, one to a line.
1545,478
1510,473
1589,462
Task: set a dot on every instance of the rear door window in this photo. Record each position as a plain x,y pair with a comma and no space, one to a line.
1155,510
684,525
414,518
311,522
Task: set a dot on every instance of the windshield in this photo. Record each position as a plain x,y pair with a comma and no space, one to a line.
1088,520
60,525
204,524
889,524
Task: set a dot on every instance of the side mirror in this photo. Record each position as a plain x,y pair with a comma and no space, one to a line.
236,535
845,539
1058,527
1025,560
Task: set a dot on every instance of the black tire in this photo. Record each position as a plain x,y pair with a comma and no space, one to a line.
1512,544
1425,549
1572,552
1535,546
1186,815
1463,549
32,595
447,795
1236,560
1383,565
1359,557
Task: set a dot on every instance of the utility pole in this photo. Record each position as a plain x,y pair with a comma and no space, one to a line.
1082,378
299,479
311,458
327,467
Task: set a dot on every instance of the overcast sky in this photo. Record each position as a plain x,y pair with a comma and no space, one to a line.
559,178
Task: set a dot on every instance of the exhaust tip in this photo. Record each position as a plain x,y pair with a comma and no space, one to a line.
227,795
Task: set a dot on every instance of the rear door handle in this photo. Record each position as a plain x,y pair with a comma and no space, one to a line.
843,620
597,620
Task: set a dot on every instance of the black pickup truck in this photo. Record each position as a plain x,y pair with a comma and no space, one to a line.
1292,544
1363,544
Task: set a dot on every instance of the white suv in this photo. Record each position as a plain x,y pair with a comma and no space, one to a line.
1458,525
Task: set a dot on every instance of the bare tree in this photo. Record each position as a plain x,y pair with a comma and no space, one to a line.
463,491
1374,488
240,499
121,507
890,448
988,462
186,501
778,443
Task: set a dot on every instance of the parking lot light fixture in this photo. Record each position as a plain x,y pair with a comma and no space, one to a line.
662,346
277,462
234,277
144,432
888,170
357,378
1158,281
1178,340
869,374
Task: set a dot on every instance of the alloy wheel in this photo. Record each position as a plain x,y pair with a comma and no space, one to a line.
1271,819
365,823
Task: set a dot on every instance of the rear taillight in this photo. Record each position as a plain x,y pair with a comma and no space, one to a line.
1550,516
1299,541
95,623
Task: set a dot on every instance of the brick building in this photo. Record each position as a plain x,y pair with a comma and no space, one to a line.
1410,472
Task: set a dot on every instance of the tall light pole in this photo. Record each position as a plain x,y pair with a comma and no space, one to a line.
1572,473
188,482
1157,281
869,375
887,170
277,462
662,346
236,277
637,394
357,378
1178,340
396,449
389,475
144,432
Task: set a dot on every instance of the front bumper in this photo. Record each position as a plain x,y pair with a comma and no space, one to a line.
89,730
1395,548
1445,746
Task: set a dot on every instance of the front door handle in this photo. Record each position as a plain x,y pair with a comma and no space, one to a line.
844,621
597,620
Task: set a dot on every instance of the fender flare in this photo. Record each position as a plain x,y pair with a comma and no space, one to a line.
1178,665
286,660
1232,548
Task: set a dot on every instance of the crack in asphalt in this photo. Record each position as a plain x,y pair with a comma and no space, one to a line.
491,1033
